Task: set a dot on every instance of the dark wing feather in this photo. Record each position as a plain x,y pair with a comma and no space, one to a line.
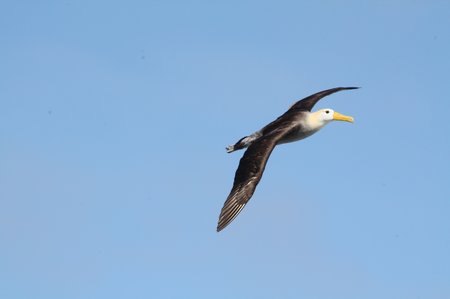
308,103
249,173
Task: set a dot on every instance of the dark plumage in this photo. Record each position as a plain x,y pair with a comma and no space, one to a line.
294,124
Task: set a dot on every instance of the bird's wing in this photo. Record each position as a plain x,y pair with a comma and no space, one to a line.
249,173
308,103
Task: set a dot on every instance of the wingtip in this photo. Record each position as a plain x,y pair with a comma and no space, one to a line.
220,227
352,87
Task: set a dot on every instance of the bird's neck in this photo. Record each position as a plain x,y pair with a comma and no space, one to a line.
314,122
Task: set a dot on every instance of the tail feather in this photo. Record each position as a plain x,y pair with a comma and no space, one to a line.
242,143
230,148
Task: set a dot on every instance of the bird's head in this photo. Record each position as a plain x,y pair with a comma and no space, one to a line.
323,116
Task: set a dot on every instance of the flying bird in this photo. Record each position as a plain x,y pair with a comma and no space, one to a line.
295,124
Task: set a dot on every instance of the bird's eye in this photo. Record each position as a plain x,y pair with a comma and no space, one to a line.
327,111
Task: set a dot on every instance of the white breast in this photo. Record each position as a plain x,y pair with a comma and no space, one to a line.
307,126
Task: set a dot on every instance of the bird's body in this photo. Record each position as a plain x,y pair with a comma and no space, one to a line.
295,124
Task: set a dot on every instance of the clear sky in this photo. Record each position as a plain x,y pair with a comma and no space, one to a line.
114,117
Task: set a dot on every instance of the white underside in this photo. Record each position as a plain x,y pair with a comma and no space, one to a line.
298,136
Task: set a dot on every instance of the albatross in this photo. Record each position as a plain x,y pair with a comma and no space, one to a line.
297,123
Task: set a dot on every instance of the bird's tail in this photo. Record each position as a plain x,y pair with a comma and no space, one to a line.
230,148
243,142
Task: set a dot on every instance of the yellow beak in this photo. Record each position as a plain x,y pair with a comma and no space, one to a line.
338,116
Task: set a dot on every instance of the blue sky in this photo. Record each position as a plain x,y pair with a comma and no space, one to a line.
114,117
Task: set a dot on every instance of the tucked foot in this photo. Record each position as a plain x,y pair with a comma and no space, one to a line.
230,148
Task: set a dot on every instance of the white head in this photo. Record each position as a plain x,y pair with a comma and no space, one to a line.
322,117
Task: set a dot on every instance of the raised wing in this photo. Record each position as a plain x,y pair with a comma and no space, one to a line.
249,173
308,103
